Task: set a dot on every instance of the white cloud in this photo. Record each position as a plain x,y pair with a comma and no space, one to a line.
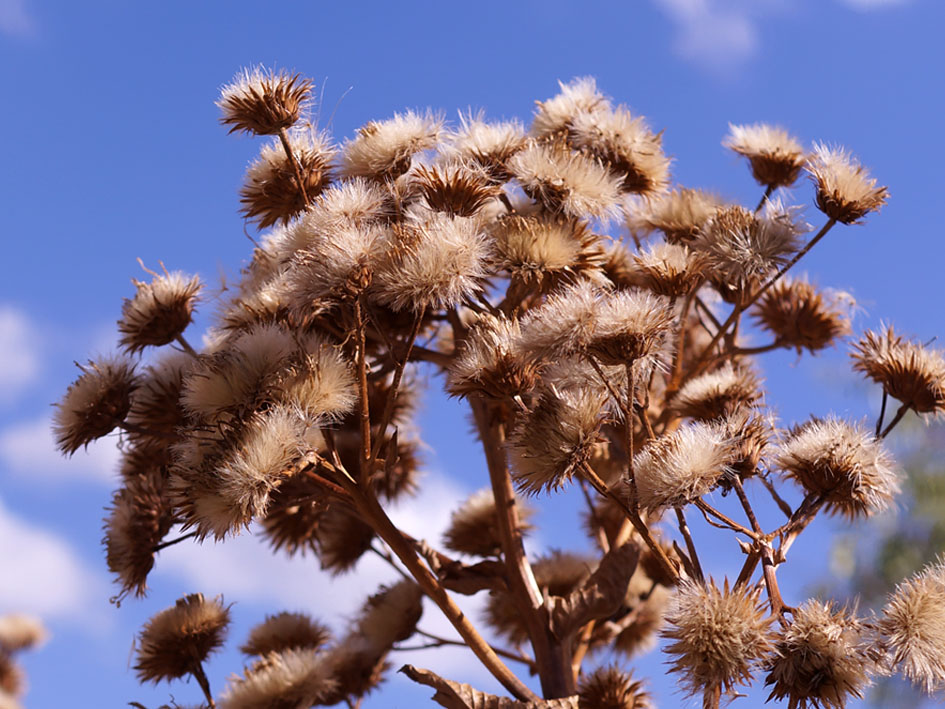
43,575
28,450
19,356
15,19
719,37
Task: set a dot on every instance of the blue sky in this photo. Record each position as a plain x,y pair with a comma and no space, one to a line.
112,151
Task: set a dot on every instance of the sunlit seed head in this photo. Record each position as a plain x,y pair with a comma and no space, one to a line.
285,631
391,615
776,158
750,432
474,527
680,467
263,101
485,145
159,312
845,191
912,628
95,403
489,362
717,393
630,327
803,317
383,150
822,659
288,679
19,631
342,539
669,269
912,373
563,325
611,688
270,193
719,636
322,386
841,463
679,214
620,267
454,189
557,114
176,641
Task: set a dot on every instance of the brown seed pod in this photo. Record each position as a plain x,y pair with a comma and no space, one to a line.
612,688
474,526
775,157
159,312
263,102
802,317
286,631
845,191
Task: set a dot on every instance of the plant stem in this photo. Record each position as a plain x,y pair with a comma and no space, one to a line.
364,411
201,678
182,341
764,198
172,542
896,419
882,413
284,137
690,545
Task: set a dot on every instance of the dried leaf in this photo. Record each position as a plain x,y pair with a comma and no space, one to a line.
455,695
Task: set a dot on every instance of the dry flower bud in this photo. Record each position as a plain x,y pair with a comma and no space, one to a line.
910,372
263,102
176,641
285,631
271,192
282,680
843,464
750,433
454,189
391,615
295,511
474,527
629,328
913,628
679,214
845,191
383,149
557,114
342,539
20,632
776,157
160,311
611,688
641,635
718,393
155,404
675,469
822,658
800,316
489,362
719,636
95,403
670,269
487,146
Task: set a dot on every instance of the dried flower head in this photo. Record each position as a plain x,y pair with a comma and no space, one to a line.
474,527
629,328
641,634
454,189
391,615
383,150
719,636
718,393
679,214
435,261
286,631
295,511
800,316
555,440
563,325
776,157
750,432
485,145
160,311
20,632
842,463
95,403
489,362
626,145
271,192
845,191
282,680
910,372
343,538
566,182
669,269
155,405
263,102
12,682
356,202
913,628
822,658
557,114
176,641
612,688
680,467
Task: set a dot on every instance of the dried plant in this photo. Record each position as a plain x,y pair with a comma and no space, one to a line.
617,370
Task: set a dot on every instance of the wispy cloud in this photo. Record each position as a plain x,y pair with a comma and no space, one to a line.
19,344
15,19
717,35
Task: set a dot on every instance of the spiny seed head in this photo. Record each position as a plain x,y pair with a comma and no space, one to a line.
383,150
913,628
566,182
178,640
719,636
670,269
474,527
718,393
679,214
845,191
485,145
391,615
563,325
95,403
680,467
802,317
490,363
263,101
776,157
750,432
159,312
910,372
282,680
557,114
342,539
294,513
612,688
271,193
454,189
286,631
822,658
842,463
630,327
155,404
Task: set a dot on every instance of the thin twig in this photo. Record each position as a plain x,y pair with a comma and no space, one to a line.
882,412
284,137
204,683
440,641
690,545
896,419
732,524
172,542
764,198
364,410
182,341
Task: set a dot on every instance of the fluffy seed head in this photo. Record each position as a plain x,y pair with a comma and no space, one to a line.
822,658
160,311
675,469
566,182
563,325
557,114
841,462
342,539
322,385
155,405
910,372
913,628
282,680
391,615
487,146
286,631
383,150
845,191
177,640
800,316
474,527
20,632
295,511
454,189
263,102
270,193
629,328
719,636
95,403
679,214
776,157
669,269
489,362
435,262
718,393
612,688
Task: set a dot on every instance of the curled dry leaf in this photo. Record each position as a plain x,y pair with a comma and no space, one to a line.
456,695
